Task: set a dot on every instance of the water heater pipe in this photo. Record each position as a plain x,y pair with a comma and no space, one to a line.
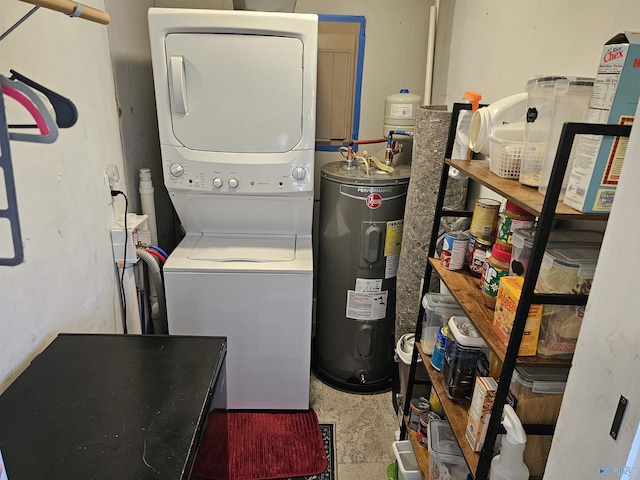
431,45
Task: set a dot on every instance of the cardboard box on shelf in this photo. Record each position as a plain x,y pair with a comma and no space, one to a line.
505,313
598,160
484,393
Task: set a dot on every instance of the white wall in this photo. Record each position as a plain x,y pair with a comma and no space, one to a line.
607,361
495,46
67,282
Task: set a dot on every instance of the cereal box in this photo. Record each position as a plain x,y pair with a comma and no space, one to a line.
505,313
598,160
484,394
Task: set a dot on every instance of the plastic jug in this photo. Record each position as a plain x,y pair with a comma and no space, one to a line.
509,110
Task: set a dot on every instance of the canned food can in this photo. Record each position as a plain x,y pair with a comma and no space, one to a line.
485,217
438,350
416,409
454,250
423,431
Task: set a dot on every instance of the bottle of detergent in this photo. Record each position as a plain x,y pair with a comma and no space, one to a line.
508,465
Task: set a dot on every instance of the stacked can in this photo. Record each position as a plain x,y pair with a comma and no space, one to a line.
485,217
416,409
454,250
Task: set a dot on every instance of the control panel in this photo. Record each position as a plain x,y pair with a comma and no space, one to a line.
206,177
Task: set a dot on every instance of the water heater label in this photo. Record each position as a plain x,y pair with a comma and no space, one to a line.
366,305
368,285
392,244
393,238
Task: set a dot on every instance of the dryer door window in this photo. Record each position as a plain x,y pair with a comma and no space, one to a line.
235,93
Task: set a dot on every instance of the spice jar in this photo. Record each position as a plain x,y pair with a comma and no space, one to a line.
496,268
513,218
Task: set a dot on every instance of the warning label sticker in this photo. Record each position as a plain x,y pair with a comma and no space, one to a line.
391,267
393,238
366,305
368,285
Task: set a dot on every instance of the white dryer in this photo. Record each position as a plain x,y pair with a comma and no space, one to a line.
235,94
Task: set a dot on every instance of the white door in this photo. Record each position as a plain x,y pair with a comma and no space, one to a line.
235,93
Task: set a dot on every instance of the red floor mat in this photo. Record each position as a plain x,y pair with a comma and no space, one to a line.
261,446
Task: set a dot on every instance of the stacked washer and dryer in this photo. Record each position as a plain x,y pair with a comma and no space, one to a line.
235,94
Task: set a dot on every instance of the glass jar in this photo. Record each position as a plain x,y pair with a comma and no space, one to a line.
496,268
513,218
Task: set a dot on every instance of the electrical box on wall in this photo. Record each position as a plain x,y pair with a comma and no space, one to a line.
137,233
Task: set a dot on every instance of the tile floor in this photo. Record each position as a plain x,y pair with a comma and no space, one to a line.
365,429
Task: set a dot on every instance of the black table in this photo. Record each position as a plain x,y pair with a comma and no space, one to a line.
111,407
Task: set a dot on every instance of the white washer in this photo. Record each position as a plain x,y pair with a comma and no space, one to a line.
235,94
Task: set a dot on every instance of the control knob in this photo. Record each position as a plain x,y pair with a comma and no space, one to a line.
233,183
217,182
299,173
176,169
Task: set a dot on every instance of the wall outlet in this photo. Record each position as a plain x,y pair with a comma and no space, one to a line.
107,190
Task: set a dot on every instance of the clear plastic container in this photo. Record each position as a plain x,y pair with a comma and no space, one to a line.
572,98
540,104
522,242
438,309
407,463
567,271
536,394
461,358
446,459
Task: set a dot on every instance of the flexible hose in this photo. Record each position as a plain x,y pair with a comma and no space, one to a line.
158,249
158,310
156,254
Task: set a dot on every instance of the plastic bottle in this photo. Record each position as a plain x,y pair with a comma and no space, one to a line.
460,149
509,464
506,111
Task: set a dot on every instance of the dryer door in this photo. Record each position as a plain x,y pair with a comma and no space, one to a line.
235,93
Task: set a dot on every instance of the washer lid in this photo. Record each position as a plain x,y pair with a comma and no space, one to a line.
244,248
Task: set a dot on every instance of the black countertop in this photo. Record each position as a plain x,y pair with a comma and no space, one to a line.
110,407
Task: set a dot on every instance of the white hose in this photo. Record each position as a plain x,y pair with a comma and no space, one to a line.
131,299
159,308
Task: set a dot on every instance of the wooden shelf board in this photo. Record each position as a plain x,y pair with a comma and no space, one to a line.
465,288
421,453
526,197
457,413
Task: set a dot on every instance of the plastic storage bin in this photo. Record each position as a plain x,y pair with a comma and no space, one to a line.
438,309
570,105
540,104
536,395
522,242
461,358
446,460
565,271
505,157
407,464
